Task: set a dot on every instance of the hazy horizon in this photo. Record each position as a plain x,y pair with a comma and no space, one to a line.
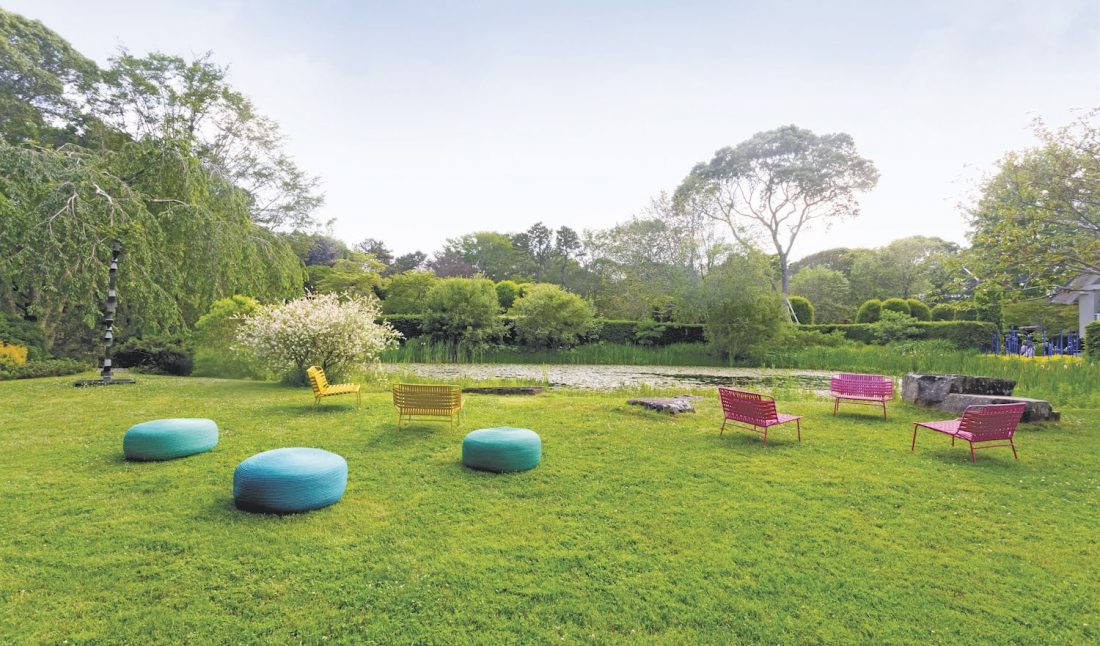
426,121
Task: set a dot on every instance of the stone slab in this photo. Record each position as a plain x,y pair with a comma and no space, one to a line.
1037,410
931,389
672,405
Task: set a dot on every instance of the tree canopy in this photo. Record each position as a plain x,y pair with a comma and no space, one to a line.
774,185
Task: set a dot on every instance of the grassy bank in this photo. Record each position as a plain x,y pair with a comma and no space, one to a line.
636,528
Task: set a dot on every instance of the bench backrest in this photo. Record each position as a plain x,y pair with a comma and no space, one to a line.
427,397
744,406
863,385
992,421
317,379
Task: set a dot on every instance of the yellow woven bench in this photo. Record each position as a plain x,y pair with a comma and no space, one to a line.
322,388
420,402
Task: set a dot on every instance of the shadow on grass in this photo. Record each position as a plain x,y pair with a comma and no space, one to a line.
960,454
310,409
750,439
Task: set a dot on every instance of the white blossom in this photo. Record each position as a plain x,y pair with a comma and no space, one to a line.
338,333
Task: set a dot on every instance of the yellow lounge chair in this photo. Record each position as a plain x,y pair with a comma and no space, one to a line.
322,388
427,402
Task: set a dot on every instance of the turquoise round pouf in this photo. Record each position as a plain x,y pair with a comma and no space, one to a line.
285,481
502,449
165,439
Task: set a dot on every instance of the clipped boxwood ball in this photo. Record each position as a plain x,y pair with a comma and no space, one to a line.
165,439
502,449
284,481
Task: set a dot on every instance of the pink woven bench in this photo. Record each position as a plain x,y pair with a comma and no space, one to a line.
753,412
980,424
871,390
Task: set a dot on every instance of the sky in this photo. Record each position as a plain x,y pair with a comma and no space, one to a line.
429,120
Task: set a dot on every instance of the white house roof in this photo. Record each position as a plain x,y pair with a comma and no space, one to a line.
1069,294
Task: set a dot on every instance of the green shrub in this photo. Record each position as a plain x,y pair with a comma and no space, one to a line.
899,305
1050,316
965,312
797,337
17,331
743,314
870,311
547,316
803,309
989,304
676,333
406,293
217,353
1092,341
616,331
463,312
507,291
965,335
409,325
918,310
649,332
153,354
943,312
894,326
47,368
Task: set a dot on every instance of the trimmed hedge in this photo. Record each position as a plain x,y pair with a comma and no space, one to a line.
155,355
613,331
918,310
803,309
943,312
48,368
409,325
609,331
870,311
899,305
965,335
1092,341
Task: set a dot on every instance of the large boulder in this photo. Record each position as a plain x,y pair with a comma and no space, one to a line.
931,390
1036,410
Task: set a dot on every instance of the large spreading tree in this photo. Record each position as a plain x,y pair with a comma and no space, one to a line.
1037,222
776,184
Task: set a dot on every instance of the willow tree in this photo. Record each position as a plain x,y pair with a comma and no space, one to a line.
776,184
187,238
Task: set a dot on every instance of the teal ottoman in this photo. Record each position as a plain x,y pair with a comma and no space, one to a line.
165,439
287,481
502,449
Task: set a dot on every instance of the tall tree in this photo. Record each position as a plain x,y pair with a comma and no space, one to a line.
376,249
169,98
1037,222
777,183
491,254
566,245
537,243
413,261
44,82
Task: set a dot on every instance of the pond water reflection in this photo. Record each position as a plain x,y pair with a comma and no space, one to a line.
610,377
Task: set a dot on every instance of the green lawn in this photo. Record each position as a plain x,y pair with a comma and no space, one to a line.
637,527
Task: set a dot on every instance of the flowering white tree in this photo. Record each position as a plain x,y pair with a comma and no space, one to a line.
335,332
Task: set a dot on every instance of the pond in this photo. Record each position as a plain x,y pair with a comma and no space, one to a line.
597,377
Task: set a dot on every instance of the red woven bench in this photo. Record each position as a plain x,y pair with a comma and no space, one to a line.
870,390
980,424
753,412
